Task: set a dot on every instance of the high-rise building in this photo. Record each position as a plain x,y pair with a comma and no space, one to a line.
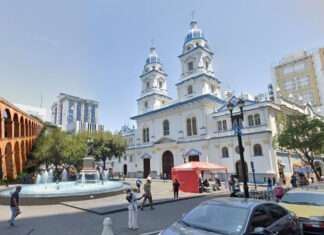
299,77
75,114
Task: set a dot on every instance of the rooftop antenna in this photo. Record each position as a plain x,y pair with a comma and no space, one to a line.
41,101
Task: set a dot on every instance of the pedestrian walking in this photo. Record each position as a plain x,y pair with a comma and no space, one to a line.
147,194
273,180
278,192
14,205
132,199
164,177
138,184
269,183
293,181
176,186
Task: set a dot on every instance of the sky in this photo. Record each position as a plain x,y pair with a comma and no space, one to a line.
97,49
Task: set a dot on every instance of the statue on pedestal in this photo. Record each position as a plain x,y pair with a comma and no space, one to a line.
90,146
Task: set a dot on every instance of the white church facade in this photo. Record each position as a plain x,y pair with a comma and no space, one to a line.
196,126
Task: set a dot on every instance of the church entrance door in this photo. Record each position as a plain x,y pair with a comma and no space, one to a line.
125,169
194,158
147,167
167,163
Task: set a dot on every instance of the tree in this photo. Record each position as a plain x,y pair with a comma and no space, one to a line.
107,146
303,135
75,149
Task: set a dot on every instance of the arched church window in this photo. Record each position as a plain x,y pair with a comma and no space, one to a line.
147,85
219,125
191,126
206,64
197,44
190,66
250,120
166,127
146,104
212,88
190,90
160,84
225,152
146,135
257,119
257,149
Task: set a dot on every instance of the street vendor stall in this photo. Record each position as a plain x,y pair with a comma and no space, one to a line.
188,174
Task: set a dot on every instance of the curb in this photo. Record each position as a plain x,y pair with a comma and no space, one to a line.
152,233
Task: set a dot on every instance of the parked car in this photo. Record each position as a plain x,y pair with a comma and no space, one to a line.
236,216
308,205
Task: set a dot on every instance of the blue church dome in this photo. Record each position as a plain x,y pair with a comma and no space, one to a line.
194,32
153,57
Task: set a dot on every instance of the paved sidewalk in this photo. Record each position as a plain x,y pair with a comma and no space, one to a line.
161,192
86,217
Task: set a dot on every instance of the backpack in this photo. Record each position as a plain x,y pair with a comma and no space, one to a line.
129,197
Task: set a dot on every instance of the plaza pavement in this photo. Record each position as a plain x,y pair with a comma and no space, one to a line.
86,217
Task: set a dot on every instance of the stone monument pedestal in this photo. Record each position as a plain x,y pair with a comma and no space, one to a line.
89,164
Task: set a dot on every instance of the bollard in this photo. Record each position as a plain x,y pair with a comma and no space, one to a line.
107,227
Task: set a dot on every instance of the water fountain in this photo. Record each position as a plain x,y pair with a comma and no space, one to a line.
87,186
64,175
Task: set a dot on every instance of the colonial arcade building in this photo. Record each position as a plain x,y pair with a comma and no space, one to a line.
18,132
196,126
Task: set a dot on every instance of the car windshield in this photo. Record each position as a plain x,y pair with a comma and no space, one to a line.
301,198
217,218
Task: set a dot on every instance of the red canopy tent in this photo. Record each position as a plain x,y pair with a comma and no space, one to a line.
188,174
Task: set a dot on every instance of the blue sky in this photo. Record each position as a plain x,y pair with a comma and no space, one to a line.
97,49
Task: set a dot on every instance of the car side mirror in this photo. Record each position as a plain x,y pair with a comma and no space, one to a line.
260,231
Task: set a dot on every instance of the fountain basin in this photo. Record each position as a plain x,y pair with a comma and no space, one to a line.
53,193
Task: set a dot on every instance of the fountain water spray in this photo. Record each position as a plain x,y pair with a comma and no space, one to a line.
64,175
97,177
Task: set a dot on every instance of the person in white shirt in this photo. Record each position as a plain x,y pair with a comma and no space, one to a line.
132,208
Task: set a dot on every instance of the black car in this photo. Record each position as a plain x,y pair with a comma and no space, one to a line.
236,216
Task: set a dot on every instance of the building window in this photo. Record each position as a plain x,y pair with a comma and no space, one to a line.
166,128
191,126
224,125
289,84
225,152
219,125
70,117
190,66
160,85
257,150
86,111
125,158
304,81
257,119
78,114
190,91
212,88
145,104
93,114
146,135
206,65
147,85
131,158
250,120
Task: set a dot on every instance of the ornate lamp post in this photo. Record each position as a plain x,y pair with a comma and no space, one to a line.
237,131
184,158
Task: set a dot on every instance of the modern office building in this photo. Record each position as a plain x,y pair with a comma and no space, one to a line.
75,114
299,77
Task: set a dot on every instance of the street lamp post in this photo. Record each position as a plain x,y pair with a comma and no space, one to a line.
184,158
237,130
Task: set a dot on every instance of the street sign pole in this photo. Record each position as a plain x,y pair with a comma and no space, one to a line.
253,170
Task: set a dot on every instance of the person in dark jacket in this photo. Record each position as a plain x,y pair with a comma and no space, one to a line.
269,183
176,186
293,181
273,180
14,205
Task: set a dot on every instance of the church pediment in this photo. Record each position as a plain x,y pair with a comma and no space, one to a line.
164,140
